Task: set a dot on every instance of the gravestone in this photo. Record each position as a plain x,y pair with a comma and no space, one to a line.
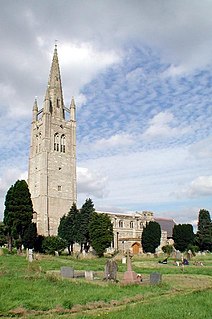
89,275
124,260
67,272
155,278
111,270
130,277
30,255
178,255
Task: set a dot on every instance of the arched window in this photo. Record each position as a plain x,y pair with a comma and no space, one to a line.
131,224
56,142
62,143
141,225
121,223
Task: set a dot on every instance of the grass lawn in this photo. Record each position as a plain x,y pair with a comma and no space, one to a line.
34,290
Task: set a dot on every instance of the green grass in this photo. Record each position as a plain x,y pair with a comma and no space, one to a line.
36,287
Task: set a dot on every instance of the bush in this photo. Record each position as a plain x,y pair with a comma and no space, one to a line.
53,243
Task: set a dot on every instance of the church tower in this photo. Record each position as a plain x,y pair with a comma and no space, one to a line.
52,160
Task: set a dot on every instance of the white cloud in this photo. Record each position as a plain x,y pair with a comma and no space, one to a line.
91,183
116,141
160,126
202,185
202,149
81,62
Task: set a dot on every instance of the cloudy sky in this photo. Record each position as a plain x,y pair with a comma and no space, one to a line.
141,75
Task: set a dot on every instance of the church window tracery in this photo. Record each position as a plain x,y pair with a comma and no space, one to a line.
56,142
62,143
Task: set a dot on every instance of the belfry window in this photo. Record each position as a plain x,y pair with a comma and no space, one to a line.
62,143
131,224
56,142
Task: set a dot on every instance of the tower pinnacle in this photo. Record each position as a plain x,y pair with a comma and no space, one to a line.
54,92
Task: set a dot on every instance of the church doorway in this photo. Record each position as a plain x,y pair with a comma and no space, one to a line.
136,248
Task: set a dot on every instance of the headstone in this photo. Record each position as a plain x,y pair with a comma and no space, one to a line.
30,255
155,278
67,272
89,275
111,270
56,253
178,255
124,260
130,277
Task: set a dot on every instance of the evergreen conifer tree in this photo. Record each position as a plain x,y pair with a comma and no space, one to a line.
18,212
83,236
100,232
68,227
204,231
183,236
151,237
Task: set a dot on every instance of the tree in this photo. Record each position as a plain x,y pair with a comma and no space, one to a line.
100,232
204,231
18,212
68,227
53,243
3,238
183,236
84,218
168,249
151,237
30,236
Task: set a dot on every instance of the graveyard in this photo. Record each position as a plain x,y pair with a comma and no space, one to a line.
90,287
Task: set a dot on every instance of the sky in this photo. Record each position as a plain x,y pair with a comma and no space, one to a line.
141,75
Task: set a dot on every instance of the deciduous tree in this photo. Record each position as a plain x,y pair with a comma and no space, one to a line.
53,243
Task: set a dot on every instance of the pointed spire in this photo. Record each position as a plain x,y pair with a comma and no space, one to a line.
54,92
35,105
72,110
35,110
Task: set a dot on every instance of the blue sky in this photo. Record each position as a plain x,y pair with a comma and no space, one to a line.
141,75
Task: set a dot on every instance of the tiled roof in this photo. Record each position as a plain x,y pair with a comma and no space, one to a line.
166,224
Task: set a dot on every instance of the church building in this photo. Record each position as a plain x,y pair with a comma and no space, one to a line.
52,170
52,159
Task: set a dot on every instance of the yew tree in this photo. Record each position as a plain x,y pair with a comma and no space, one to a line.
101,232
204,231
183,236
151,237
18,212
69,226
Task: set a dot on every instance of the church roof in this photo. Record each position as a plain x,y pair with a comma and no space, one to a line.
166,224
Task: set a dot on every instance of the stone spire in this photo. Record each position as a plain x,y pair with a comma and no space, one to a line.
72,110
35,110
54,95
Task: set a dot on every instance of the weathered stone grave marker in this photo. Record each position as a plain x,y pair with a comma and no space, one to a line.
130,277
155,278
111,268
89,275
67,272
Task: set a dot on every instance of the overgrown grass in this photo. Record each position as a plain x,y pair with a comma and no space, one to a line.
35,286
194,305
